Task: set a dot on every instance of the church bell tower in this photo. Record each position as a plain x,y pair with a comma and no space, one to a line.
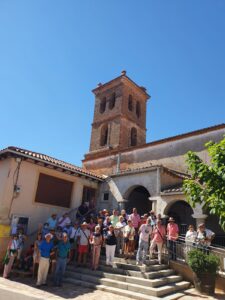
119,116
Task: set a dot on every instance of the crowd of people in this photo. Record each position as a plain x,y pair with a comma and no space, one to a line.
60,242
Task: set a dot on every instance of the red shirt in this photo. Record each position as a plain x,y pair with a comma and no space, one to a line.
172,231
159,233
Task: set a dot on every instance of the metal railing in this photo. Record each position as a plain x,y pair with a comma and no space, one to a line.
180,250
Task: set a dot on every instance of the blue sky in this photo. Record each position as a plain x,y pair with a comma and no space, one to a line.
53,53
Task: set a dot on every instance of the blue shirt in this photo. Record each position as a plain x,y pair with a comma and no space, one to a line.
52,223
45,248
63,249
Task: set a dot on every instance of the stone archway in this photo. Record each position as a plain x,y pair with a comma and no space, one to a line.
182,212
138,196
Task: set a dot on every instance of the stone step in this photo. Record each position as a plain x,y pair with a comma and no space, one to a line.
133,261
150,291
151,275
174,296
101,270
126,293
97,278
142,268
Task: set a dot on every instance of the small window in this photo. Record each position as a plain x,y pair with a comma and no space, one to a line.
106,196
133,137
104,135
130,103
112,101
138,109
102,105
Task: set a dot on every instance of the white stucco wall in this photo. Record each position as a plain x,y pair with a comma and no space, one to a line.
121,186
24,204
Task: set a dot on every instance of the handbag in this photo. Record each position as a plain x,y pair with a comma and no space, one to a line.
6,259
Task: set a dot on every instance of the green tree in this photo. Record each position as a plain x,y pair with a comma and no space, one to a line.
206,184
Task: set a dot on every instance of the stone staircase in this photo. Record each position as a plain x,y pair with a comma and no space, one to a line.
150,281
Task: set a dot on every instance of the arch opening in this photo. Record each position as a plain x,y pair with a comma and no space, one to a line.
133,136
102,105
138,109
182,212
104,135
112,101
130,103
138,197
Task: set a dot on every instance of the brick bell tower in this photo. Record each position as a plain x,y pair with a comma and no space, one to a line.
119,117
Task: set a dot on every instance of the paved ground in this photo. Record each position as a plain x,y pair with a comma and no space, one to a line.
27,287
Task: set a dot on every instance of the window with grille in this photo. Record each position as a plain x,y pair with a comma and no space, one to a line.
106,196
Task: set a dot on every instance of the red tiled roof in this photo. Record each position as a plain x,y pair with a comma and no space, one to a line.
18,152
172,190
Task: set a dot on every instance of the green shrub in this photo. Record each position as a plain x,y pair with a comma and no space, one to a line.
201,262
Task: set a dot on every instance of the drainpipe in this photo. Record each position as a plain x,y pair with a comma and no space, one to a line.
118,163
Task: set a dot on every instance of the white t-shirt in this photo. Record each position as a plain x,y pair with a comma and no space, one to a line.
202,236
190,237
129,232
119,228
145,231
84,236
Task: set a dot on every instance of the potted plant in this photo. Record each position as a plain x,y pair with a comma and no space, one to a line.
205,267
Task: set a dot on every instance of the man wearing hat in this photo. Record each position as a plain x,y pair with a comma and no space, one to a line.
45,249
172,236
52,221
63,249
83,241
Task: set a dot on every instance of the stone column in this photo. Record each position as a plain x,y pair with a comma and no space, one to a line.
154,201
200,218
199,215
122,204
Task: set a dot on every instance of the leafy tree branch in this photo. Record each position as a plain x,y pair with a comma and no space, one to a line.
207,182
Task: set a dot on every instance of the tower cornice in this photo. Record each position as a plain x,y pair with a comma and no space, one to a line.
118,80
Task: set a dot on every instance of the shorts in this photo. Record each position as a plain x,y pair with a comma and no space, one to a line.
83,249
